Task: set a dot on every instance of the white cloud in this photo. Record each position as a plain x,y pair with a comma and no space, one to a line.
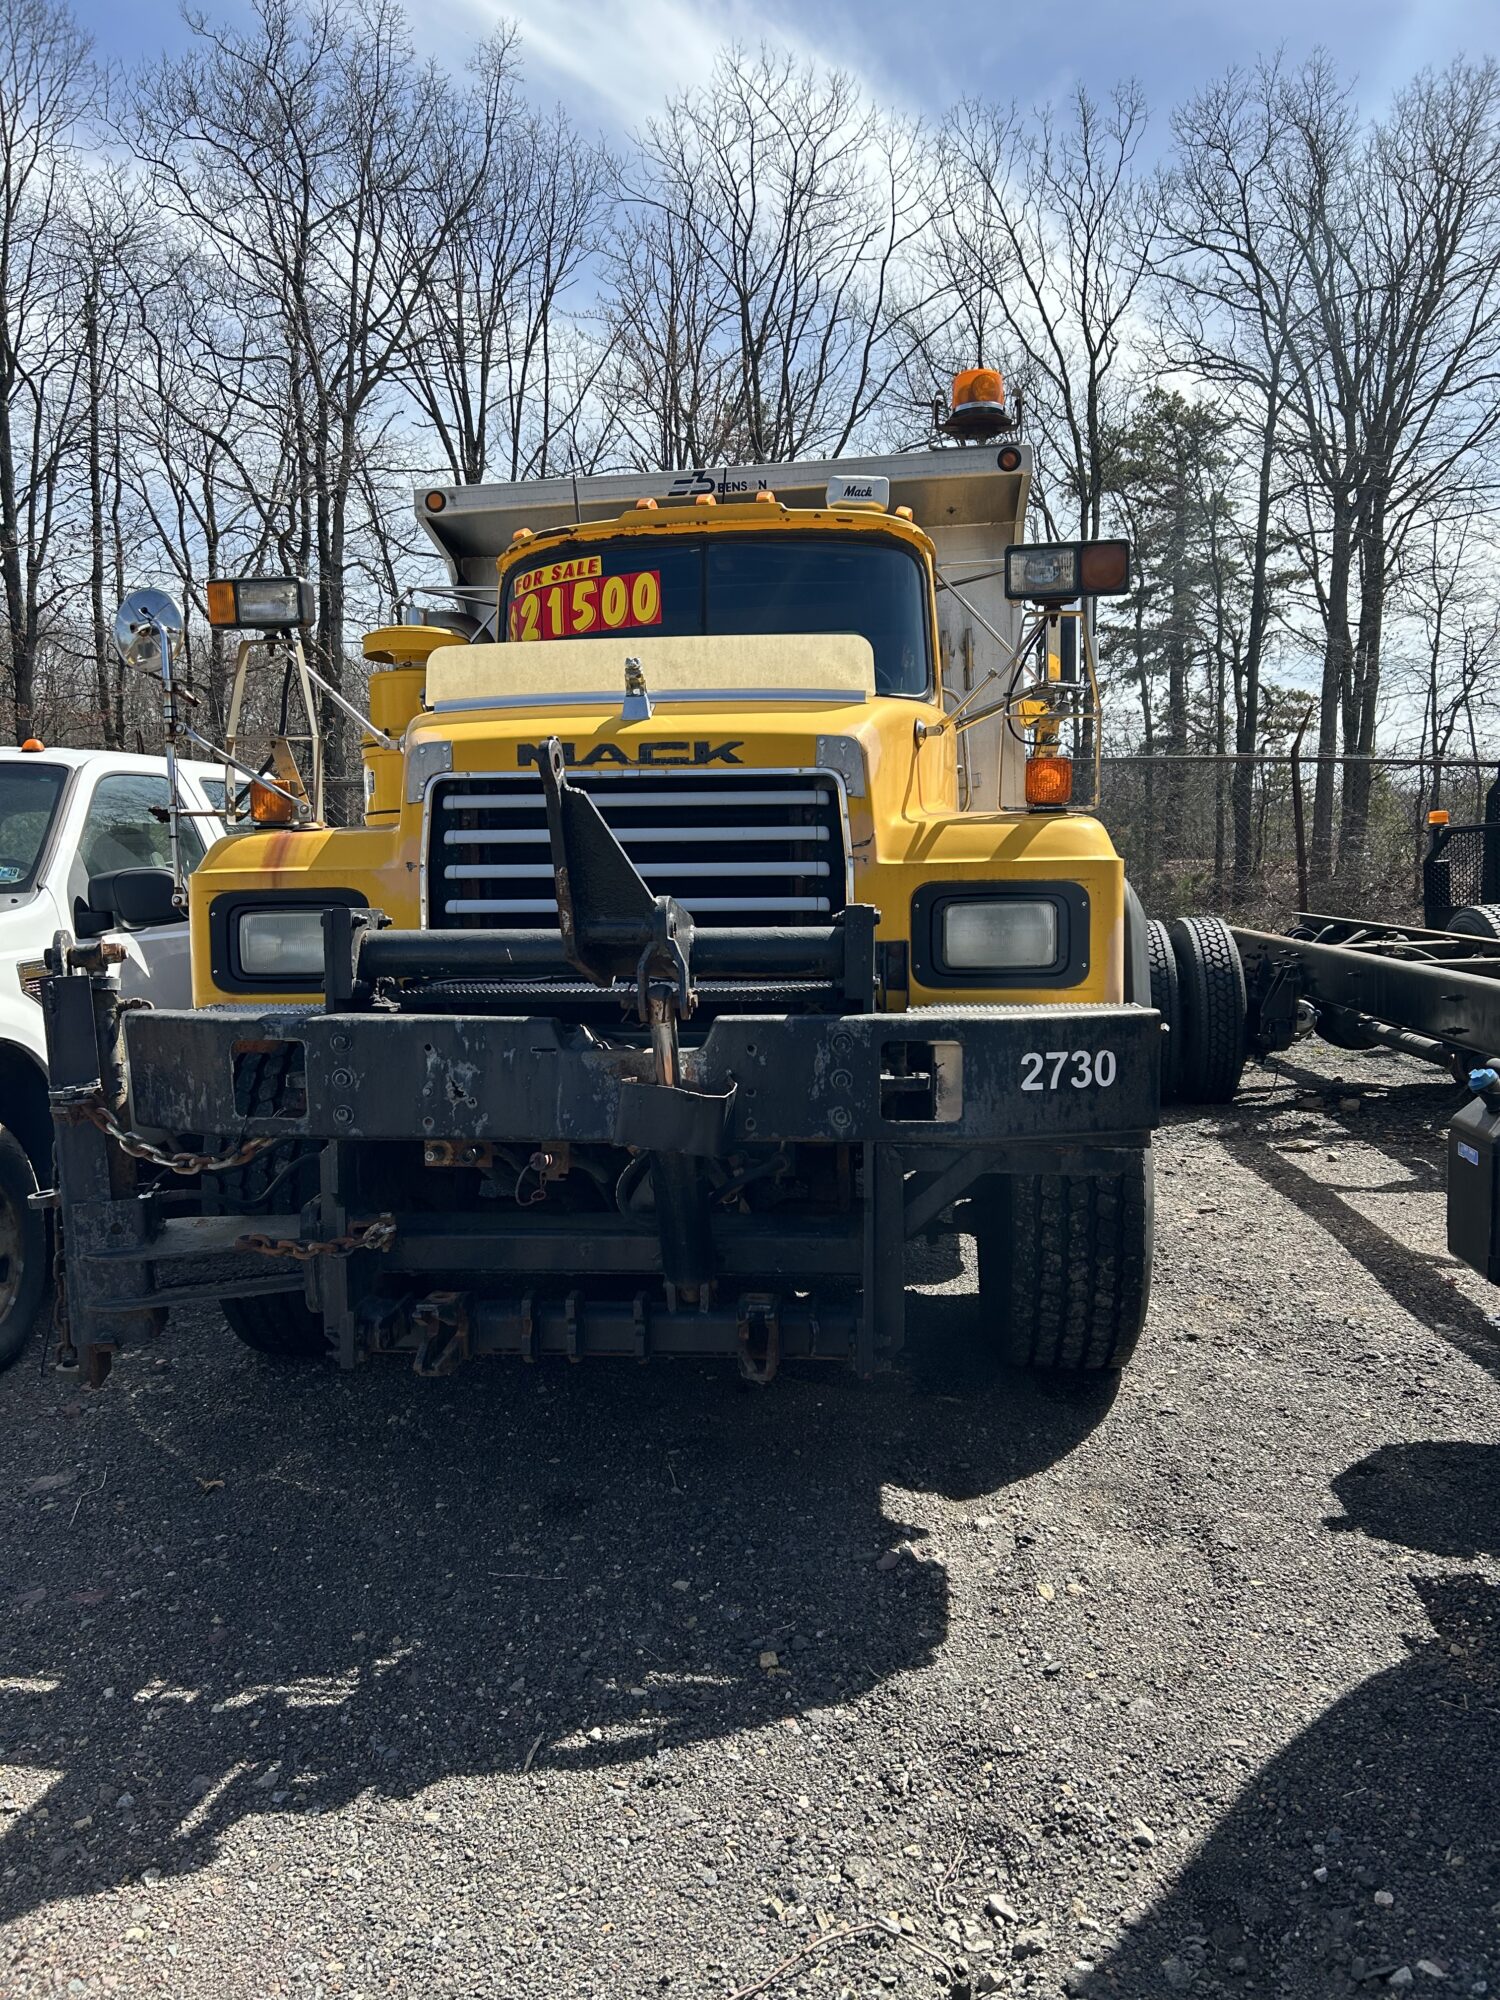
623,60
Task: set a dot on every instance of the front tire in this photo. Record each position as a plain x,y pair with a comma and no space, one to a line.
23,1249
279,1324
1065,1266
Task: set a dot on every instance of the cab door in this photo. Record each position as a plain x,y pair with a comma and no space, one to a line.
125,827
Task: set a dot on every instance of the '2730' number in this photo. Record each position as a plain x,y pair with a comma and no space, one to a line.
1050,1069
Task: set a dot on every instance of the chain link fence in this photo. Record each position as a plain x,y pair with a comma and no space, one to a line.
1205,831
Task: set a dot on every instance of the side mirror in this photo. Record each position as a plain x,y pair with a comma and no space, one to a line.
133,897
142,623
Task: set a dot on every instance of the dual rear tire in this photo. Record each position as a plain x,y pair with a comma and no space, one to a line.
1198,988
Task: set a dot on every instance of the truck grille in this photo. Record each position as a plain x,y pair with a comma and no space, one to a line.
734,847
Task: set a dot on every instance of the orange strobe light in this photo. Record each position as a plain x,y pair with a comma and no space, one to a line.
1049,781
268,807
978,385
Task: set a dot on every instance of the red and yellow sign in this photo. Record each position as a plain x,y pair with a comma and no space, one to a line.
568,600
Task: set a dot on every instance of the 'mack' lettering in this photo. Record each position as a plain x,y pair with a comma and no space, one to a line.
668,750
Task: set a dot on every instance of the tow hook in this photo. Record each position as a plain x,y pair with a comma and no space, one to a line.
760,1337
443,1319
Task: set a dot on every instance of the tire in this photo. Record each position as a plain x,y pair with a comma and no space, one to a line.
1481,920
1065,1266
278,1324
24,1256
1214,1006
1166,998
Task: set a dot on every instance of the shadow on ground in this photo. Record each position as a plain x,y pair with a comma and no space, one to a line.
1392,1790
399,1581
1420,1281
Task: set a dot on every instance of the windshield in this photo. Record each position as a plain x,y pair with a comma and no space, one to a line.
681,586
28,798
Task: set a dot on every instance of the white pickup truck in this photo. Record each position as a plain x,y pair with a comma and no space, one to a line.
83,835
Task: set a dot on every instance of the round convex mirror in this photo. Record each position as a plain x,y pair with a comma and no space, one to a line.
140,621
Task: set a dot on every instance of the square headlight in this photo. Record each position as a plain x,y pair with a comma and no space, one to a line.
281,944
999,934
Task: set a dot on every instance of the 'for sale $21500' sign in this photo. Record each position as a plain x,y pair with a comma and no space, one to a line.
569,600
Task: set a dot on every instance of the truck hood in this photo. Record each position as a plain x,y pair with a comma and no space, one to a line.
744,668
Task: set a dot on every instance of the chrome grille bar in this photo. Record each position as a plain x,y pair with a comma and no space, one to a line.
737,847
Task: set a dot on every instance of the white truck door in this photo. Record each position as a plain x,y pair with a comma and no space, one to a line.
121,830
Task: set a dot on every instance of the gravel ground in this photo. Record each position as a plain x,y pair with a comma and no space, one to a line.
617,1683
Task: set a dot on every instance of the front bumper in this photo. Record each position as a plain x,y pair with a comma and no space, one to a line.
916,1106
951,1076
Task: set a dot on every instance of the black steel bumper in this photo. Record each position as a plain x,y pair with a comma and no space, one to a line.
918,1105
933,1077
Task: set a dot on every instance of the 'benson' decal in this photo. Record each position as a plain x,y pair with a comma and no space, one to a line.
701,751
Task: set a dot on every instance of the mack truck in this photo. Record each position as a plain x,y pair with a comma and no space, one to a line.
726,912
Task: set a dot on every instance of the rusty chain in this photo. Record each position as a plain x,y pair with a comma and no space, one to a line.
377,1235
174,1163
85,1103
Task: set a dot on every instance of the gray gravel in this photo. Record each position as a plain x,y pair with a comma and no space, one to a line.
635,1683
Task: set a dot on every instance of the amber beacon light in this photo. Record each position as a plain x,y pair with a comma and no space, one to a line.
977,408
1049,781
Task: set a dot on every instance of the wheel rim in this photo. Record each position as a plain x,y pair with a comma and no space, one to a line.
12,1252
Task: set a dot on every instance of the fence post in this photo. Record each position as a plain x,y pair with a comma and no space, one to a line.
1299,824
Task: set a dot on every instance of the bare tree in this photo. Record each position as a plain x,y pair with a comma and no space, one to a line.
326,170
1429,287
801,205
490,359
208,484
1223,318
44,83
1047,230
674,380
1458,612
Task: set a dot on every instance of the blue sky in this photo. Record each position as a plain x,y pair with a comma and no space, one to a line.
610,61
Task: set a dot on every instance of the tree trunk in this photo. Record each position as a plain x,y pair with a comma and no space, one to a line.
1359,782
1247,705
1179,660
99,631
1335,677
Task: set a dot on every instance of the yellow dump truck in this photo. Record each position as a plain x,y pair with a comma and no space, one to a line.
726,913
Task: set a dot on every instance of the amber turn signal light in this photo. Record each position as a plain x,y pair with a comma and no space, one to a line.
268,807
1049,781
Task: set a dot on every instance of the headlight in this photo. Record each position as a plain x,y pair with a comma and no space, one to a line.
999,934
274,944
